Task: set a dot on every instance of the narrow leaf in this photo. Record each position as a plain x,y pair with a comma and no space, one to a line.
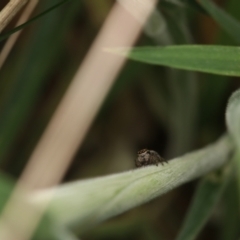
206,197
228,23
92,201
6,186
204,58
231,217
233,117
233,124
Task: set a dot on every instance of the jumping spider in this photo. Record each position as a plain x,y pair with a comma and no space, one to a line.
148,157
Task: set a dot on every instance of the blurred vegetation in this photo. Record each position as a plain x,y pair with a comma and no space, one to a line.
168,110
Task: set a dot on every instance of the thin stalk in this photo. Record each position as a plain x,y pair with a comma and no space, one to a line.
9,11
11,41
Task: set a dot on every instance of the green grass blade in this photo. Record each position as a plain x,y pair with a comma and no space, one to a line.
228,23
47,228
7,34
233,116
184,3
231,217
6,186
206,197
64,234
203,58
92,201
233,125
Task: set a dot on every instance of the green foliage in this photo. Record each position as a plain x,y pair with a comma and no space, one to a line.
161,100
206,197
232,117
128,189
227,22
30,74
211,59
233,124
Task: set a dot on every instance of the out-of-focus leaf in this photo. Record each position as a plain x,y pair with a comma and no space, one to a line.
101,198
228,23
187,3
31,72
50,230
233,124
6,186
211,59
64,234
231,217
177,23
210,110
233,117
46,229
206,197
213,87
182,87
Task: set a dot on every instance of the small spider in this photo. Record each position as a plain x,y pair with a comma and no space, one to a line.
148,157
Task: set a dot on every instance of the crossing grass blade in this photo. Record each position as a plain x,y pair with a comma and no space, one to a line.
225,21
233,124
206,197
223,60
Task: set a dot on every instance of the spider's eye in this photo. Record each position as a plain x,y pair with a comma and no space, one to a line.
142,151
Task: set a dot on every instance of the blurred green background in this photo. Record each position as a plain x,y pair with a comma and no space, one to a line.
170,111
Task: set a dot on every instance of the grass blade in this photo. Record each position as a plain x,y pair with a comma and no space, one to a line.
206,197
231,217
104,197
233,116
228,23
211,59
233,124
6,186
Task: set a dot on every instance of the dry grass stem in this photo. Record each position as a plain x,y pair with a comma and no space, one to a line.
9,11
71,120
13,38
